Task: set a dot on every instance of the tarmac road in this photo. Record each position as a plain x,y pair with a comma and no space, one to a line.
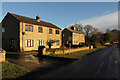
101,64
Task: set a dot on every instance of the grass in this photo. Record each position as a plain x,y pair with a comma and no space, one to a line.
77,55
12,71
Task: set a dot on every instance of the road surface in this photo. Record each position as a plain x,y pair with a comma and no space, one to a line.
101,64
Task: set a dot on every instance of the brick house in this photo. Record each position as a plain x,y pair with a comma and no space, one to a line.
20,33
72,36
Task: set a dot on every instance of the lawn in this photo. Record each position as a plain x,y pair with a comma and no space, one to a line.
77,55
12,71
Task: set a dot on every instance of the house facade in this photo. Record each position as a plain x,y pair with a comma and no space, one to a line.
72,36
25,34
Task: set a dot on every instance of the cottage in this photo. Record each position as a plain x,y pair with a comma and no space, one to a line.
20,33
72,36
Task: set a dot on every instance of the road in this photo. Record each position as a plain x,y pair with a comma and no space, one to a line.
101,64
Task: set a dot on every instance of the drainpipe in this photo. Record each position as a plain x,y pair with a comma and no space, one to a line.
22,36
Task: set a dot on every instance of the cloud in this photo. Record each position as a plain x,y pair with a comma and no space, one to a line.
109,21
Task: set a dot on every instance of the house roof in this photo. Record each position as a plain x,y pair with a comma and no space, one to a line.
33,21
74,31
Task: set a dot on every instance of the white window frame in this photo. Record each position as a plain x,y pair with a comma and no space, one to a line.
57,43
40,42
29,42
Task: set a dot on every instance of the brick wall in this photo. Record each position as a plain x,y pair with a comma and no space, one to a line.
67,50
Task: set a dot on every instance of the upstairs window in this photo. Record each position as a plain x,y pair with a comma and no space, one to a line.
40,29
57,31
28,28
74,35
50,31
3,29
81,35
63,35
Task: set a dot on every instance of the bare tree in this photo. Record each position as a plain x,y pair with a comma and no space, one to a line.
90,31
79,27
50,42
87,30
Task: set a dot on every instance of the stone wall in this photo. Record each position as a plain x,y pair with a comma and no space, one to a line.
2,55
66,51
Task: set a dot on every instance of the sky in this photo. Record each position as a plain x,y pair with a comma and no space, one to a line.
101,15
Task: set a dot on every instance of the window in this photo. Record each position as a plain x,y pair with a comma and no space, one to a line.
81,40
74,35
57,31
28,28
57,43
77,41
81,35
63,35
40,42
29,43
3,29
74,41
77,35
40,29
50,31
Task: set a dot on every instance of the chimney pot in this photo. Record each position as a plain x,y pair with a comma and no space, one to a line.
73,28
38,18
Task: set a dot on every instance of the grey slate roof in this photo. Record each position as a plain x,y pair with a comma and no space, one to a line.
33,21
74,31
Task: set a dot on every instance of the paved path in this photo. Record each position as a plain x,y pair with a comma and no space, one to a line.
102,64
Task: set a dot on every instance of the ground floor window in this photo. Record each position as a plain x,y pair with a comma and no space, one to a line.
77,41
57,43
29,42
81,41
40,42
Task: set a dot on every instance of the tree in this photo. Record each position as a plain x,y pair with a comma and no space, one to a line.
90,32
79,27
87,30
106,37
50,42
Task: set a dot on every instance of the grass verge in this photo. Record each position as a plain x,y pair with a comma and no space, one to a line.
12,71
77,55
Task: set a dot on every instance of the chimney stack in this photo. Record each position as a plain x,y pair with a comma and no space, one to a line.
73,28
38,18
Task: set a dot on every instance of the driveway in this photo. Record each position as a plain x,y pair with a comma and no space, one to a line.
33,62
